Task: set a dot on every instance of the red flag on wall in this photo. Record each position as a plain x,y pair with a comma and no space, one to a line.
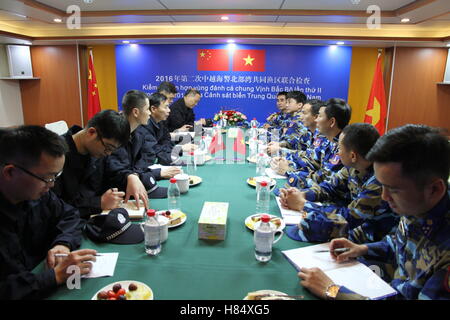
212,60
239,143
216,143
376,110
249,60
93,97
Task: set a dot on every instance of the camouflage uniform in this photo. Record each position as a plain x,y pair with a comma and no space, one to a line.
354,201
302,140
315,164
420,254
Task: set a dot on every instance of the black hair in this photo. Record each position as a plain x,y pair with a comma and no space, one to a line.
315,105
156,99
111,125
422,151
360,137
282,93
297,96
168,87
133,99
25,144
338,109
192,91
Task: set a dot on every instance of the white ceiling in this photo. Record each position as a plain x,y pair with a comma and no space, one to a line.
108,21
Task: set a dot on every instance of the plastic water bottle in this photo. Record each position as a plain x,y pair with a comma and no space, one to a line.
260,165
263,198
152,233
263,238
203,148
253,144
254,123
173,195
191,166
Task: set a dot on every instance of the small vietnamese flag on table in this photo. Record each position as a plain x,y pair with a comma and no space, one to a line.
249,60
239,143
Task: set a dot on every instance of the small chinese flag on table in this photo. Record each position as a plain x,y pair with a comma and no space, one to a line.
216,143
376,107
212,60
249,60
93,97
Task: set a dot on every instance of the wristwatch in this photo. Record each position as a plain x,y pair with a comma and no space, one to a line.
332,291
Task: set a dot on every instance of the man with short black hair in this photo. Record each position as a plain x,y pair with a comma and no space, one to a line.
36,224
412,163
349,202
182,117
168,89
83,182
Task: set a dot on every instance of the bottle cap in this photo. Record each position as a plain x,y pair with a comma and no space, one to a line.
151,212
173,180
261,154
263,183
191,153
265,218
254,118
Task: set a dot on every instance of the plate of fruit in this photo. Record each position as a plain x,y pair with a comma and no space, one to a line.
124,290
253,221
194,180
176,217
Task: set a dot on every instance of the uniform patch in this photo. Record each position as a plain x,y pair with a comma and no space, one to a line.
291,180
335,160
317,142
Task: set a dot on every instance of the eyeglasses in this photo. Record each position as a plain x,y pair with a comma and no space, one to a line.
108,148
46,181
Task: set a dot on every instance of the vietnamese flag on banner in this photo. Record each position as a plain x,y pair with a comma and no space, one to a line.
239,143
216,143
376,107
212,60
249,60
93,97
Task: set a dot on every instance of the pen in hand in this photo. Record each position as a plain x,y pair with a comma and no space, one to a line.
63,255
336,251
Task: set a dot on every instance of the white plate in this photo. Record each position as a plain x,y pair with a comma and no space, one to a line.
183,219
278,293
130,206
249,223
252,181
124,284
196,180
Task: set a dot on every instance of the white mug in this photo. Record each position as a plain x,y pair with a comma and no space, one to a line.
163,227
182,182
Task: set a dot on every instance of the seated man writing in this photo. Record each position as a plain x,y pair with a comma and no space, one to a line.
412,163
36,224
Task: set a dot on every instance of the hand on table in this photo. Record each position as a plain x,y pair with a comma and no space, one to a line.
80,258
356,250
279,165
315,280
136,189
292,199
273,147
189,147
169,172
52,261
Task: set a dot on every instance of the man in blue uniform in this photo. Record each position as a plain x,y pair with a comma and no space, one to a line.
412,163
350,201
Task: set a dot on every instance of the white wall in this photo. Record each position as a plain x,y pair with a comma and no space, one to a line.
11,113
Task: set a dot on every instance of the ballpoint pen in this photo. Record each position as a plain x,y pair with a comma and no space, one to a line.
337,250
63,255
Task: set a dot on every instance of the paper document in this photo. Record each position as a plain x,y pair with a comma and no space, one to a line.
353,275
289,216
104,266
272,174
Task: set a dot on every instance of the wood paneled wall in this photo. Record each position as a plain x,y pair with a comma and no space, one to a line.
416,96
56,96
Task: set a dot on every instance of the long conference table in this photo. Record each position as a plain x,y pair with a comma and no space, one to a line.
191,269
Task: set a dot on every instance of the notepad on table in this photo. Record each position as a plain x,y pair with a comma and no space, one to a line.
104,265
272,174
289,216
354,275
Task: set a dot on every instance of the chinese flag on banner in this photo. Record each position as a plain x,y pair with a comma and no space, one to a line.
216,143
239,143
376,107
212,60
249,60
93,97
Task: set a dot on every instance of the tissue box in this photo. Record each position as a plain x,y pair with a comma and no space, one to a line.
212,224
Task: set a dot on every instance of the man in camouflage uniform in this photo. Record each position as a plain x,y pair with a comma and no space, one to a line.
412,163
299,136
353,195
276,119
317,164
